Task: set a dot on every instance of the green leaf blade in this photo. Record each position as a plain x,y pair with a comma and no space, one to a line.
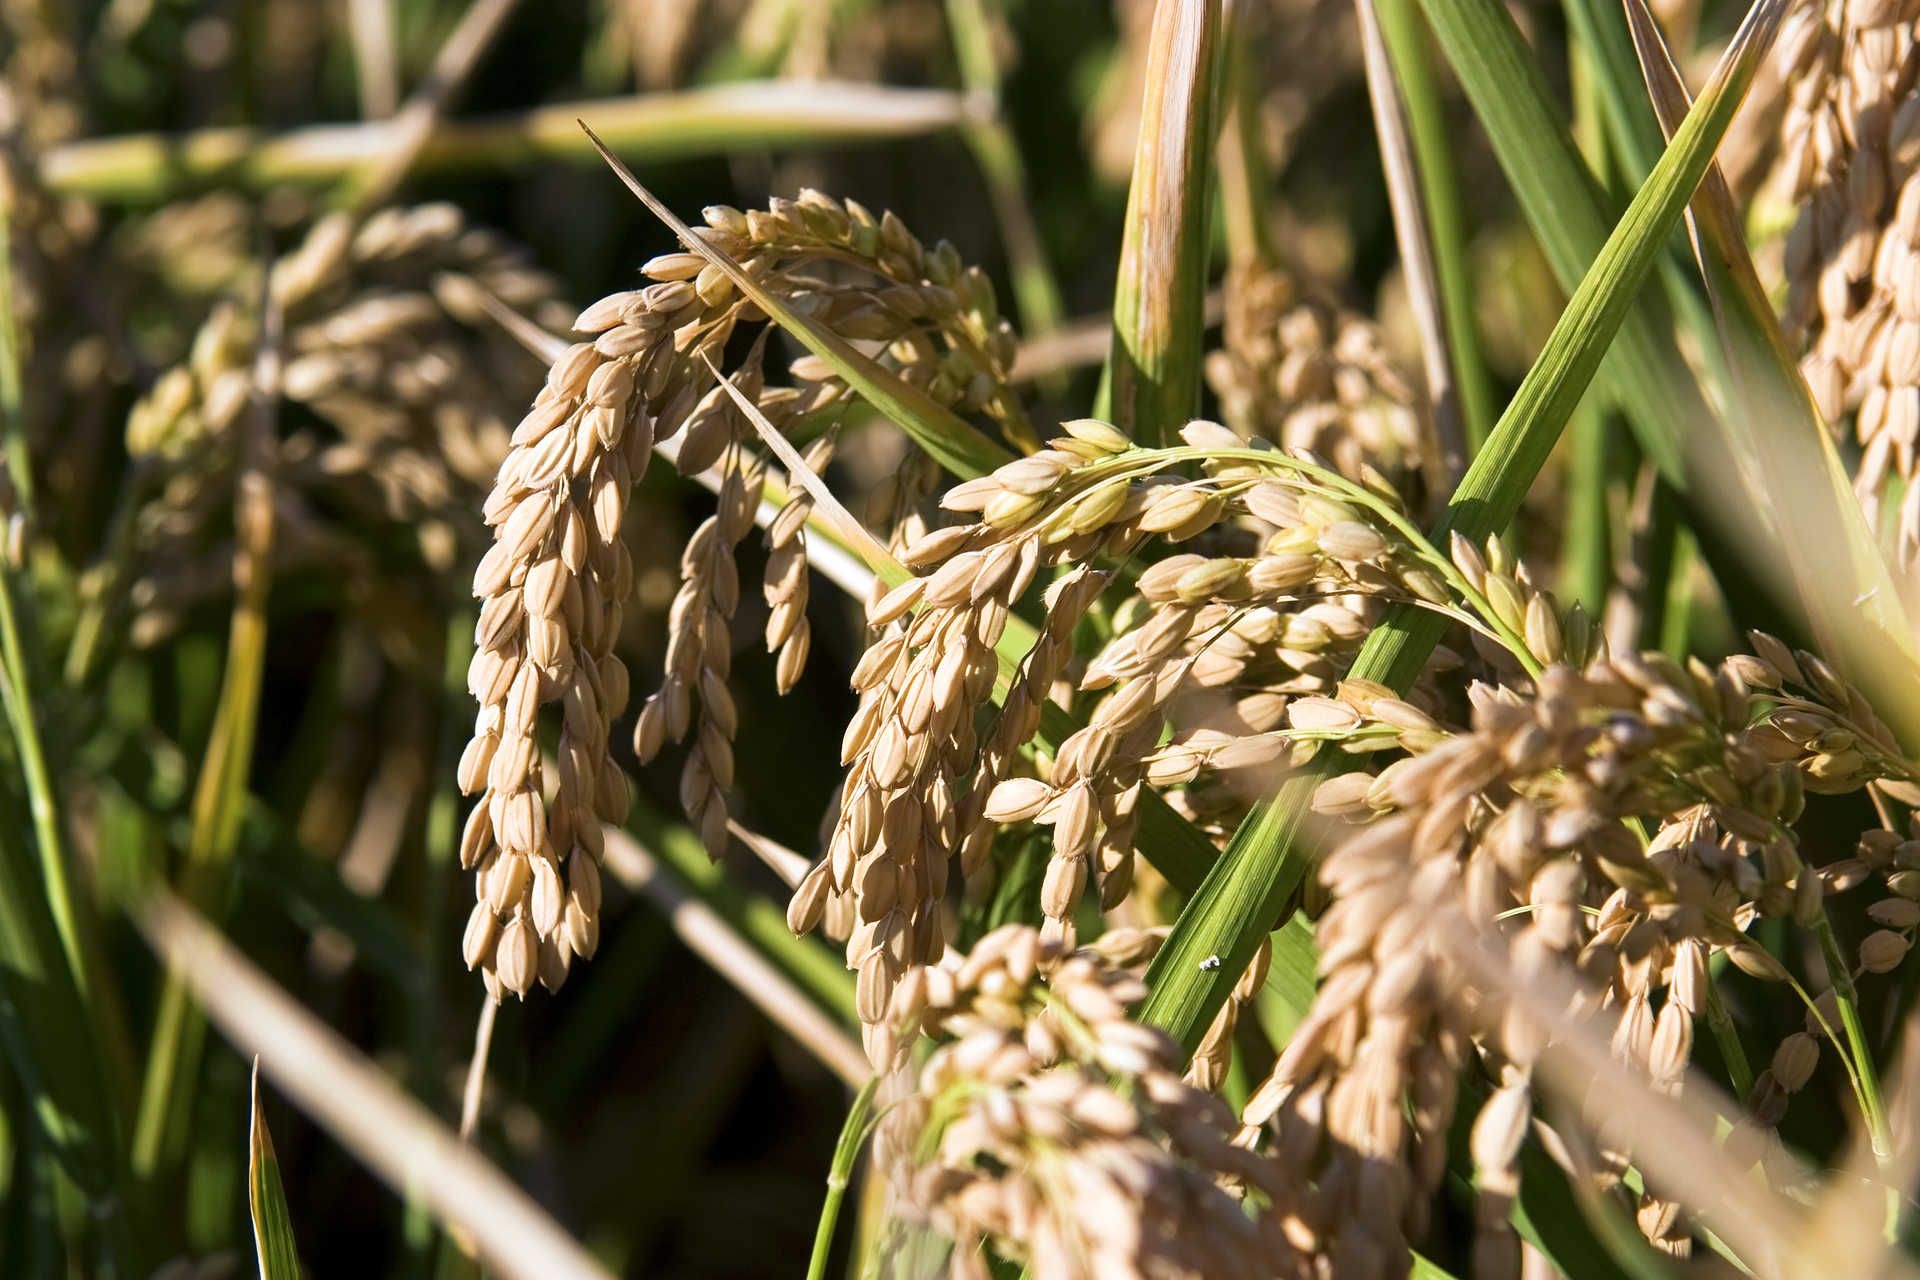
273,1242
1153,372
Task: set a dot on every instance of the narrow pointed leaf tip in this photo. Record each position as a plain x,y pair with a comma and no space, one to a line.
267,1198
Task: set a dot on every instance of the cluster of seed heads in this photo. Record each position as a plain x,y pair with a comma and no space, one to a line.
1522,818
556,580
387,344
1233,653
1101,621
1850,139
1296,370
1247,635
1052,1128
868,279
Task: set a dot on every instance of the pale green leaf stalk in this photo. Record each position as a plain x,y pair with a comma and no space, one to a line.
1586,554
267,1199
1407,48
1245,894
152,167
1152,381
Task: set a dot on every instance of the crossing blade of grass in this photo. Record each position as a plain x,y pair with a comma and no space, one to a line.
349,1097
1244,895
702,905
273,1242
657,126
1152,383
955,443
1854,614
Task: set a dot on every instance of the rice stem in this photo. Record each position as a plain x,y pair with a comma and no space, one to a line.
1847,997
853,1135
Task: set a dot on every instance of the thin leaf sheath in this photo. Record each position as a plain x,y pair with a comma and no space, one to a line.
1154,369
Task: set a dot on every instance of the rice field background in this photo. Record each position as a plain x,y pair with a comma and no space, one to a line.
1165,638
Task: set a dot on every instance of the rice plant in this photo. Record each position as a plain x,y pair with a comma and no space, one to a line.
1177,638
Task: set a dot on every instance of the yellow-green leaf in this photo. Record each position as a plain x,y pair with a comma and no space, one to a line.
267,1199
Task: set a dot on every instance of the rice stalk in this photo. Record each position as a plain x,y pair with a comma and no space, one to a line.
173,1059
846,1151
1409,49
1407,194
1152,379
